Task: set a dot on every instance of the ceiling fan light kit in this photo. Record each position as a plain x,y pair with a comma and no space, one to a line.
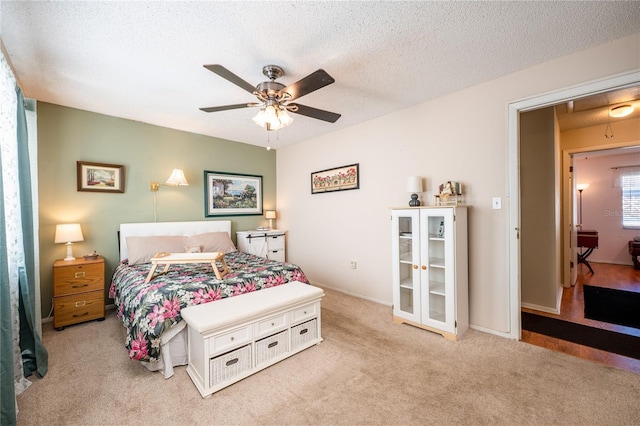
275,98
621,111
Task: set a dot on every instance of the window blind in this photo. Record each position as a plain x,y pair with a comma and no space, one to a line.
630,183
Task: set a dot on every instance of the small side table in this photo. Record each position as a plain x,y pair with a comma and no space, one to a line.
78,291
588,240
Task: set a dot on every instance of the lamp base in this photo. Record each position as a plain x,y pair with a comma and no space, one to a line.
270,224
414,202
69,252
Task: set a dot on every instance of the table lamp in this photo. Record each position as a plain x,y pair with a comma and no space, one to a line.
270,214
68,234
414,185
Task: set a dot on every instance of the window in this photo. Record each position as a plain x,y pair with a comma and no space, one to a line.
630,182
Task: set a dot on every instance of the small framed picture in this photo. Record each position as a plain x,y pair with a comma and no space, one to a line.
336,179
228,194
100,177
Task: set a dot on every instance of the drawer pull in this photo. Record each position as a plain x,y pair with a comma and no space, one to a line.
272,345
80,286
80,274
231,362
272,324
233,338
304,331
80,315
80,303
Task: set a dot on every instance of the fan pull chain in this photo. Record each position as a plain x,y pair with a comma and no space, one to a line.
608,132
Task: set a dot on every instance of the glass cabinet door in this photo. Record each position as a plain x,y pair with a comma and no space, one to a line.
406,269
437,257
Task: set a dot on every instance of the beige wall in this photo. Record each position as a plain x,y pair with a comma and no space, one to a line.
461,136
149,153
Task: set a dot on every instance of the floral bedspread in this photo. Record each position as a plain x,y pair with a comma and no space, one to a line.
147,309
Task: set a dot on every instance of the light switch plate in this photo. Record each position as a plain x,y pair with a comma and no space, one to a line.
497,203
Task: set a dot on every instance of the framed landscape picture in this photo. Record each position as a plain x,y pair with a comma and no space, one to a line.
100,177
228,194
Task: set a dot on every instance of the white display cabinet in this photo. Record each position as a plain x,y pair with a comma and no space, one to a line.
430,269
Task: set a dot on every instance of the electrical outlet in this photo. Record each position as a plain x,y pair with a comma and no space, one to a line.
497,203
353,264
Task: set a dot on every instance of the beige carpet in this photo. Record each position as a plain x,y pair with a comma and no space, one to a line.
368,370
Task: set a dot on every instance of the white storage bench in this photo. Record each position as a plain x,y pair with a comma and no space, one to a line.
232,338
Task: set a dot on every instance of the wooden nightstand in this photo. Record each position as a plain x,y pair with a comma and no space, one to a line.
78,291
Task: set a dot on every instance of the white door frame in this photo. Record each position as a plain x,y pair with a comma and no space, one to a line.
514,110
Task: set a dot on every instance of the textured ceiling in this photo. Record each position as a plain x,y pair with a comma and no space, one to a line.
144,60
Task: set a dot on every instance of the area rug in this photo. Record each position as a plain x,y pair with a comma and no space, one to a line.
611,305
610,341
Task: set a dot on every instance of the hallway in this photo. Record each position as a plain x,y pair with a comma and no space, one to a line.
572,309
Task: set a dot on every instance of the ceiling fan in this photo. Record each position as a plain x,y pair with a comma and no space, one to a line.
275,99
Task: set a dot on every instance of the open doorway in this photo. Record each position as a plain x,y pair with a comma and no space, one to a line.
555,229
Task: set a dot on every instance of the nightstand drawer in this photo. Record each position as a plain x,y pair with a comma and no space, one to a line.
78,308
78,279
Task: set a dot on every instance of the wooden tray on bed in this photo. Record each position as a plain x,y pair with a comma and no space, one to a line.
167,259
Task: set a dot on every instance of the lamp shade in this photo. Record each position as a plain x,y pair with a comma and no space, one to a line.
582,186
270,214
68,233
414,184
273,117
177,178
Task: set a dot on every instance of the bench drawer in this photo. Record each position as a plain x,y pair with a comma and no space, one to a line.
270,325
308,311
226,366
230,339
304,333
272,346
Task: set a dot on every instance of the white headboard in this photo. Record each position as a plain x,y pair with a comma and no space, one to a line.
169,228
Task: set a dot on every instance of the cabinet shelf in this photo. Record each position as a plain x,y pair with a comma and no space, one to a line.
406,284
437,288
435,237
435,262
437,316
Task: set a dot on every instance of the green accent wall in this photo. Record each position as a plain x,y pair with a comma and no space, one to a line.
149,153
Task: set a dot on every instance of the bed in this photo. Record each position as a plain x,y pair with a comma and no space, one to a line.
150,311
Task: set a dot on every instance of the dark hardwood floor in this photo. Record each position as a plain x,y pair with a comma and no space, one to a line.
572,309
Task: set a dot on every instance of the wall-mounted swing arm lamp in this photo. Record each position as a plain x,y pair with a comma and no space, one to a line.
176,179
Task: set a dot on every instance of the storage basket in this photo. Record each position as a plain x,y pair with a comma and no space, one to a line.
226,366
272,346
304,333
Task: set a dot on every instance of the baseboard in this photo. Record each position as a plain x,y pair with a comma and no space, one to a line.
546,309
506,335
359,296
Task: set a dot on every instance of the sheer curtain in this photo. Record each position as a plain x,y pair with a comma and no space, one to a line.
21,350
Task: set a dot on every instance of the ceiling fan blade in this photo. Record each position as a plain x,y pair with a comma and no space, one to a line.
319,114
227,107
308,84
228,75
